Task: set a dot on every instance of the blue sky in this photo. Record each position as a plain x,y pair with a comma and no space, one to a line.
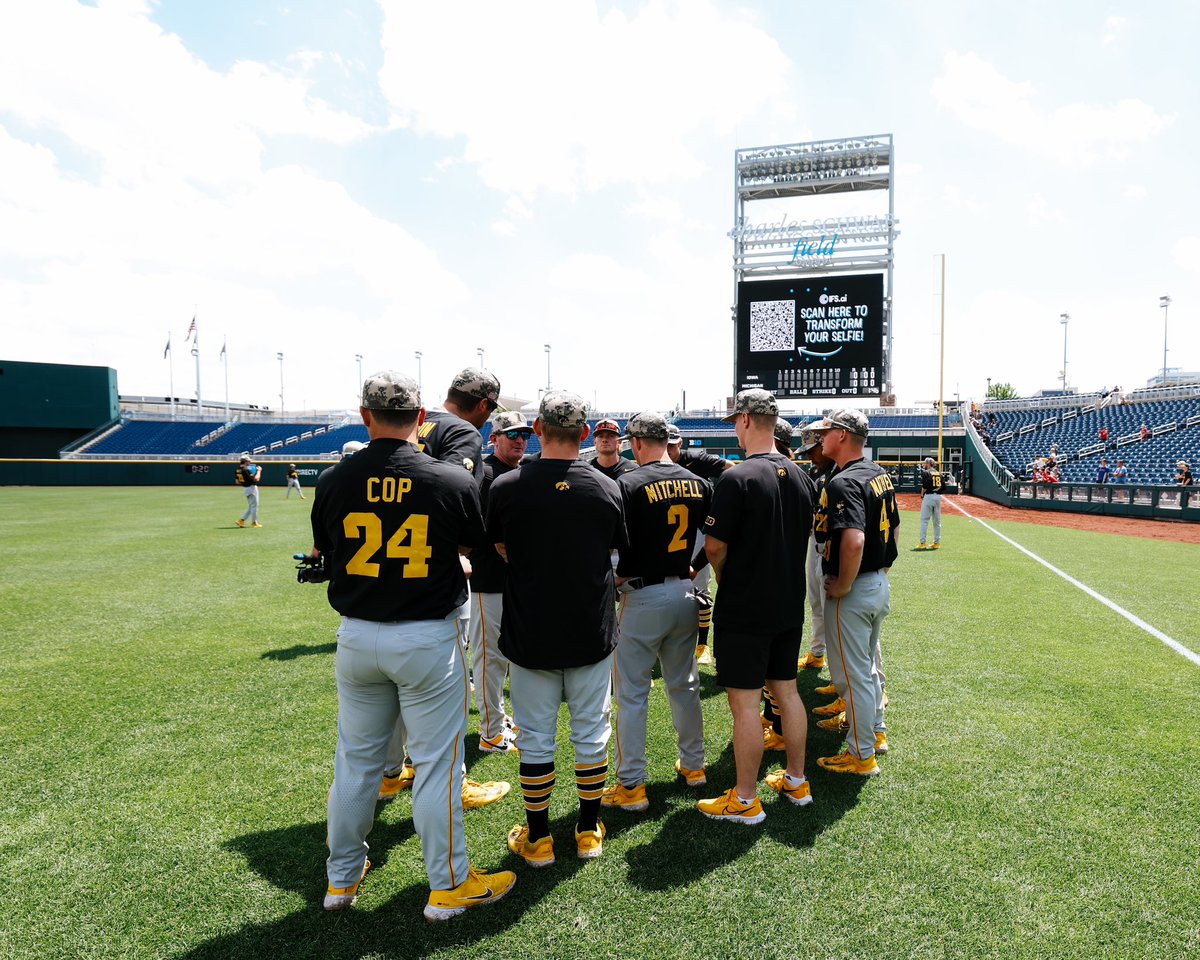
379,178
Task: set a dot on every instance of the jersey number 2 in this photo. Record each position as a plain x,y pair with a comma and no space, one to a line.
678,515
409,543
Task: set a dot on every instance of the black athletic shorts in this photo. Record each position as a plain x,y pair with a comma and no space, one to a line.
746,660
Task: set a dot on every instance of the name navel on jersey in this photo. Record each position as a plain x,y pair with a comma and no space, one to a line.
881,484
673,490
387,489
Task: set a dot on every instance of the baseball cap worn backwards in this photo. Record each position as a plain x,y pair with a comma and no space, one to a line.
389,390
607,424
510,420
854,421
477,383
647,426
754,401
561,408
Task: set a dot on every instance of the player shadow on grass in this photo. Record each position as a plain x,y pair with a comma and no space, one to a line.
299,650
689,845
293,858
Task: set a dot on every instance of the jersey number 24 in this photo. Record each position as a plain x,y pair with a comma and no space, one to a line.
409,543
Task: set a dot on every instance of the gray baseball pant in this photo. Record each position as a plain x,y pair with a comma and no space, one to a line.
489,666
384,670
657,623
816,596
251,513
536,696
852,627
931,506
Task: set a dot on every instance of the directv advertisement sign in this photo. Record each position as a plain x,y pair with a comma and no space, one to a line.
811,336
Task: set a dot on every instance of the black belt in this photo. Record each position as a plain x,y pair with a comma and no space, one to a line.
636,583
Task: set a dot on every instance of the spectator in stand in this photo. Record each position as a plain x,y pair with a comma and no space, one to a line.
1120,472
1053,475
1145,432
1104,434
1102,471
1184,477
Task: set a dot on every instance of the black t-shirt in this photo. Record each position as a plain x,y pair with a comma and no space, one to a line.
487,566
248,476
446,437
664,507
706,465
762,509
860,496
390,521
558,520
292,474
618,469
931,481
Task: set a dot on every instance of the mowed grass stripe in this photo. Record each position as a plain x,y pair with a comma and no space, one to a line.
168,728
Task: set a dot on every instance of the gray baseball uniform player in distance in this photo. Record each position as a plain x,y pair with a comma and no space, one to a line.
664,507
931,502
249,476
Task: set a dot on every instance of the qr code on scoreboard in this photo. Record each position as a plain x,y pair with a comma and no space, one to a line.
772,325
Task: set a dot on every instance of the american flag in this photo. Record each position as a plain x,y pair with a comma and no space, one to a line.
191,329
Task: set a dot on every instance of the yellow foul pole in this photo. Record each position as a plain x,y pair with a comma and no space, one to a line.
942,367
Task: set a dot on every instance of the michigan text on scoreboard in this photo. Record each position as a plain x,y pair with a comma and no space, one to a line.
812,336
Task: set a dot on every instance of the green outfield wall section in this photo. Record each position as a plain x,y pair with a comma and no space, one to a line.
145,473
46,406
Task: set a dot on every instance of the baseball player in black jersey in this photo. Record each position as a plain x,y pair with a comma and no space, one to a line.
664,507
556,521
822,467
857,508
608,450
710,467
249,475
392,524
452,436
931,502
510,434
756,534
293,482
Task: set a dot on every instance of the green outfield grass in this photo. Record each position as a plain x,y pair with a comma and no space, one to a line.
167,726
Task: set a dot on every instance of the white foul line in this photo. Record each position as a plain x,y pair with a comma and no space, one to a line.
1135,620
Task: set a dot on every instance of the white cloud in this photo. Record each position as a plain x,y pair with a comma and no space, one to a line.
562,98
1186,253
1113,28
983,98
955,199
1135,191
1039,210
173,207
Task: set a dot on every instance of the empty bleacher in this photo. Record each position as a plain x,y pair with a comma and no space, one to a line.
153,437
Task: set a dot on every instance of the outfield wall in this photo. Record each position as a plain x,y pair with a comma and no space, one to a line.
146,473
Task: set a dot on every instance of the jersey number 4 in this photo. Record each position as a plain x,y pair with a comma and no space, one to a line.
409,543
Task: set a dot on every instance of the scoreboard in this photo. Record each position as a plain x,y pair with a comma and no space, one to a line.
812,336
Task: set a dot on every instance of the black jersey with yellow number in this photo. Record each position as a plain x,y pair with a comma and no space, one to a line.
860,496
618,469
446,437
664,507
762,510
819,477
249,476
390,521
487,566
931,481
558,520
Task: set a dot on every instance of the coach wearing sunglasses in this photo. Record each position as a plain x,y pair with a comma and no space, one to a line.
510,435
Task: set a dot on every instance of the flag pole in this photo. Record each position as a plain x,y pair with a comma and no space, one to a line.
170,357
196,354
225,358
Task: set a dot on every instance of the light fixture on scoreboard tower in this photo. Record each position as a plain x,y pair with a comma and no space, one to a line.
835,337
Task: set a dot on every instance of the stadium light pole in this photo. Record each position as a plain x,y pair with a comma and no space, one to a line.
358,357
479,350
418,355
547,346
1164,301
1064,318
280,356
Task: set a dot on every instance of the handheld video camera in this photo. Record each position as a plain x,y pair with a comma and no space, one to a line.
310,569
